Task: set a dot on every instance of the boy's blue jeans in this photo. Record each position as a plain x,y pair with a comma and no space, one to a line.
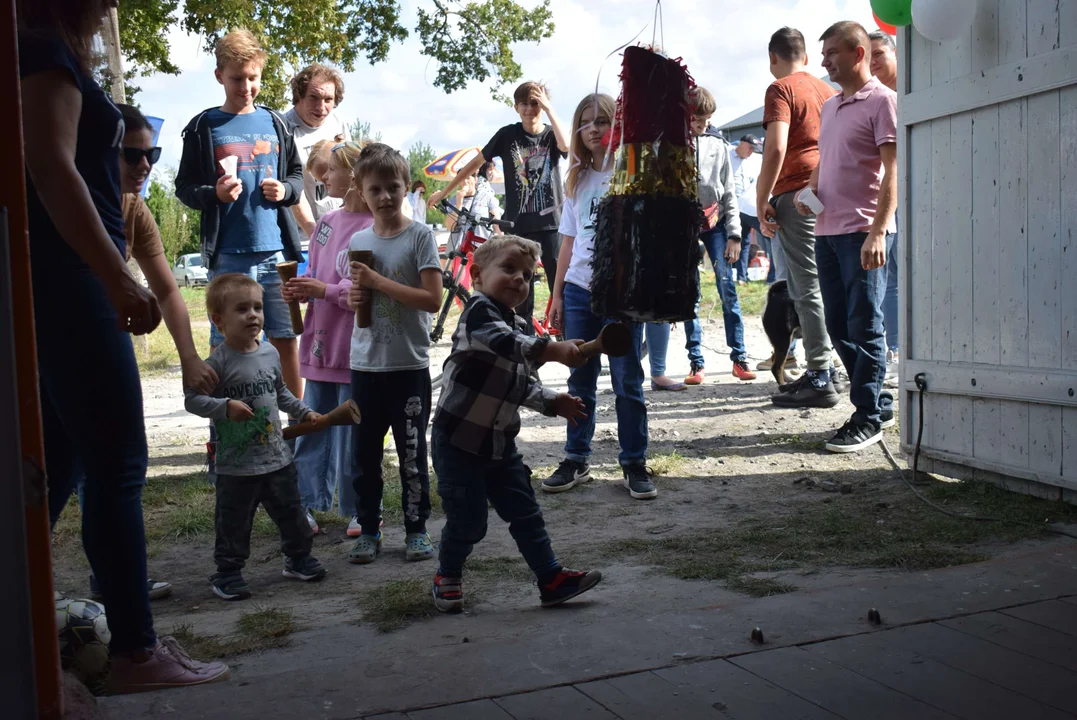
91,412
715,241
466,482
853,308
626,374
326,461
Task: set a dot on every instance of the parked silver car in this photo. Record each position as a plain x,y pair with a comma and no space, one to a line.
189,270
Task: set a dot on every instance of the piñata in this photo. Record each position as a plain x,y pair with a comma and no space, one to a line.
646,260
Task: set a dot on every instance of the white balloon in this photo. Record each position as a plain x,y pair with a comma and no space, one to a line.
942,20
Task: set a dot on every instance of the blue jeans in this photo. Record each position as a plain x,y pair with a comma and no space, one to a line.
714,241
626,374
263,268
747,224
890,303
466,483
326,461
657,347
91,415
853,308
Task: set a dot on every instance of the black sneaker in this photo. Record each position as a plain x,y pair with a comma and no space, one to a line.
303,568
566,585
795,385
638,482
854,437
567,475
887,417
230,586
807,395
839,380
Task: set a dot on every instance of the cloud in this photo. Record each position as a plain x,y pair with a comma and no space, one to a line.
723,45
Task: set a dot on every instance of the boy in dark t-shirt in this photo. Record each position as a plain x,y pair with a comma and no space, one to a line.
531,153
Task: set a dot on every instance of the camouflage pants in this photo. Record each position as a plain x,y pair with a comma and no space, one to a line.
238,497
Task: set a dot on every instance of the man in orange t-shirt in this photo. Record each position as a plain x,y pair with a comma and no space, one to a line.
790,154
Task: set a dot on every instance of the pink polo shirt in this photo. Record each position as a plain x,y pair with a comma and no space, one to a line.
850,165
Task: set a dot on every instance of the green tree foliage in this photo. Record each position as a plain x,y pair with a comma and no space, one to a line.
360,132
177,222
470,39
419,156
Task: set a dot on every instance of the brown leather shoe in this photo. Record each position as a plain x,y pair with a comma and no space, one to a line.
165,665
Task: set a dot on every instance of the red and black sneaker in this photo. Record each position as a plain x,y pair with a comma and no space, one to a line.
741,371
448,594
566,585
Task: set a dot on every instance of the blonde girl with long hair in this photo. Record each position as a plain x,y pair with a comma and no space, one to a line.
590,168
326,461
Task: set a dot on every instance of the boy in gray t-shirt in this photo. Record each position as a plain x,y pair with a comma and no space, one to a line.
254,465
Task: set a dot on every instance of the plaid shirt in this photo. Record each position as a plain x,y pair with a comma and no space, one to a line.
487,379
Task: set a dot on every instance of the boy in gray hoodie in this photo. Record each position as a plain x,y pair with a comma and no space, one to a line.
721,236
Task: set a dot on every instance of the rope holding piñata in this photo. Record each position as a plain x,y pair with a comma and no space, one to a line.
647,240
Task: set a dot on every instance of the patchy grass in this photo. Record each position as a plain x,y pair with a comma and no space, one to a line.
396,603
261,629
752,296
157,354
854,531
390,498
671,463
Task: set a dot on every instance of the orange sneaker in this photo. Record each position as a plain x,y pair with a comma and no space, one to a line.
741,371
165,665
696,378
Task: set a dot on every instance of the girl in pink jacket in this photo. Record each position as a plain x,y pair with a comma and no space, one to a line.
325,461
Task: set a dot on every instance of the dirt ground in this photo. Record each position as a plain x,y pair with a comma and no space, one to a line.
749,502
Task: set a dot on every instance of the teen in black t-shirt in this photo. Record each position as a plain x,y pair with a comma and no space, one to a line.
531,154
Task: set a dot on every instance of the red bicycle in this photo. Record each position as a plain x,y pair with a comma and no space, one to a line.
454,276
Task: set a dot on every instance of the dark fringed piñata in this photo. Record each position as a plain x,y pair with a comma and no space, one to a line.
646,260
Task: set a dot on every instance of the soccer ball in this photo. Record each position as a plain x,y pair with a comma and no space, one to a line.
84,638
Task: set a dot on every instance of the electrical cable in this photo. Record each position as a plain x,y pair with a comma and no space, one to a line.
921,385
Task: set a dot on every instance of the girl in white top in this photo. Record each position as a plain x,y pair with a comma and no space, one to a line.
587,183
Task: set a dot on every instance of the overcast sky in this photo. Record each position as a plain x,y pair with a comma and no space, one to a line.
723,43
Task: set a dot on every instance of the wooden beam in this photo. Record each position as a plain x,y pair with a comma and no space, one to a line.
1048,387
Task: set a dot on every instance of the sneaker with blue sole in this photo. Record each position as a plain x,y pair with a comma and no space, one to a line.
304,568
418,546
365,550
230,586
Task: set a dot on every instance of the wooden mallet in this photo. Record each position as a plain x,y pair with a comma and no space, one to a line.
615,340
287,271
362,312
347,413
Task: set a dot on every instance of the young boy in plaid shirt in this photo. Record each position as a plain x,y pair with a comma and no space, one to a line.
488,376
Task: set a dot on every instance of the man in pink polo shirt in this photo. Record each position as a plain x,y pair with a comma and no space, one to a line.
856,185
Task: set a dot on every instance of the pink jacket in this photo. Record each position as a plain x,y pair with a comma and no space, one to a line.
325,346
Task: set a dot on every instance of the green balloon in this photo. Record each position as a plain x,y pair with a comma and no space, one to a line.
896,12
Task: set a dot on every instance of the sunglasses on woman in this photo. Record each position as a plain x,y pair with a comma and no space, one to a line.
134,155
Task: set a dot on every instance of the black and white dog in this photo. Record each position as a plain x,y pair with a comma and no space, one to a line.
781,324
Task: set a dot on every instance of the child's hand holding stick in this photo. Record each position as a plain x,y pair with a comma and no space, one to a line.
361,263
567,353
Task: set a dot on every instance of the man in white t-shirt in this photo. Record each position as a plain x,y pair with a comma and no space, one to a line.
747,164
316,91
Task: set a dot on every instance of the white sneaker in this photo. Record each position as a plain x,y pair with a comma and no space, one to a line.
893,379
312,522
354,528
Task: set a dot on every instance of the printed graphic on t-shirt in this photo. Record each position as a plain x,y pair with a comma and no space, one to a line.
257,153
234,439
324,232
533,182
592,219
344,268
386,309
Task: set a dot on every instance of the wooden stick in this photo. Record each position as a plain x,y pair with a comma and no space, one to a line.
362,312
347,413
287,271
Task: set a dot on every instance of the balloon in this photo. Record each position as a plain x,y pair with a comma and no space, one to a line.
942,21
895,12
885,27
